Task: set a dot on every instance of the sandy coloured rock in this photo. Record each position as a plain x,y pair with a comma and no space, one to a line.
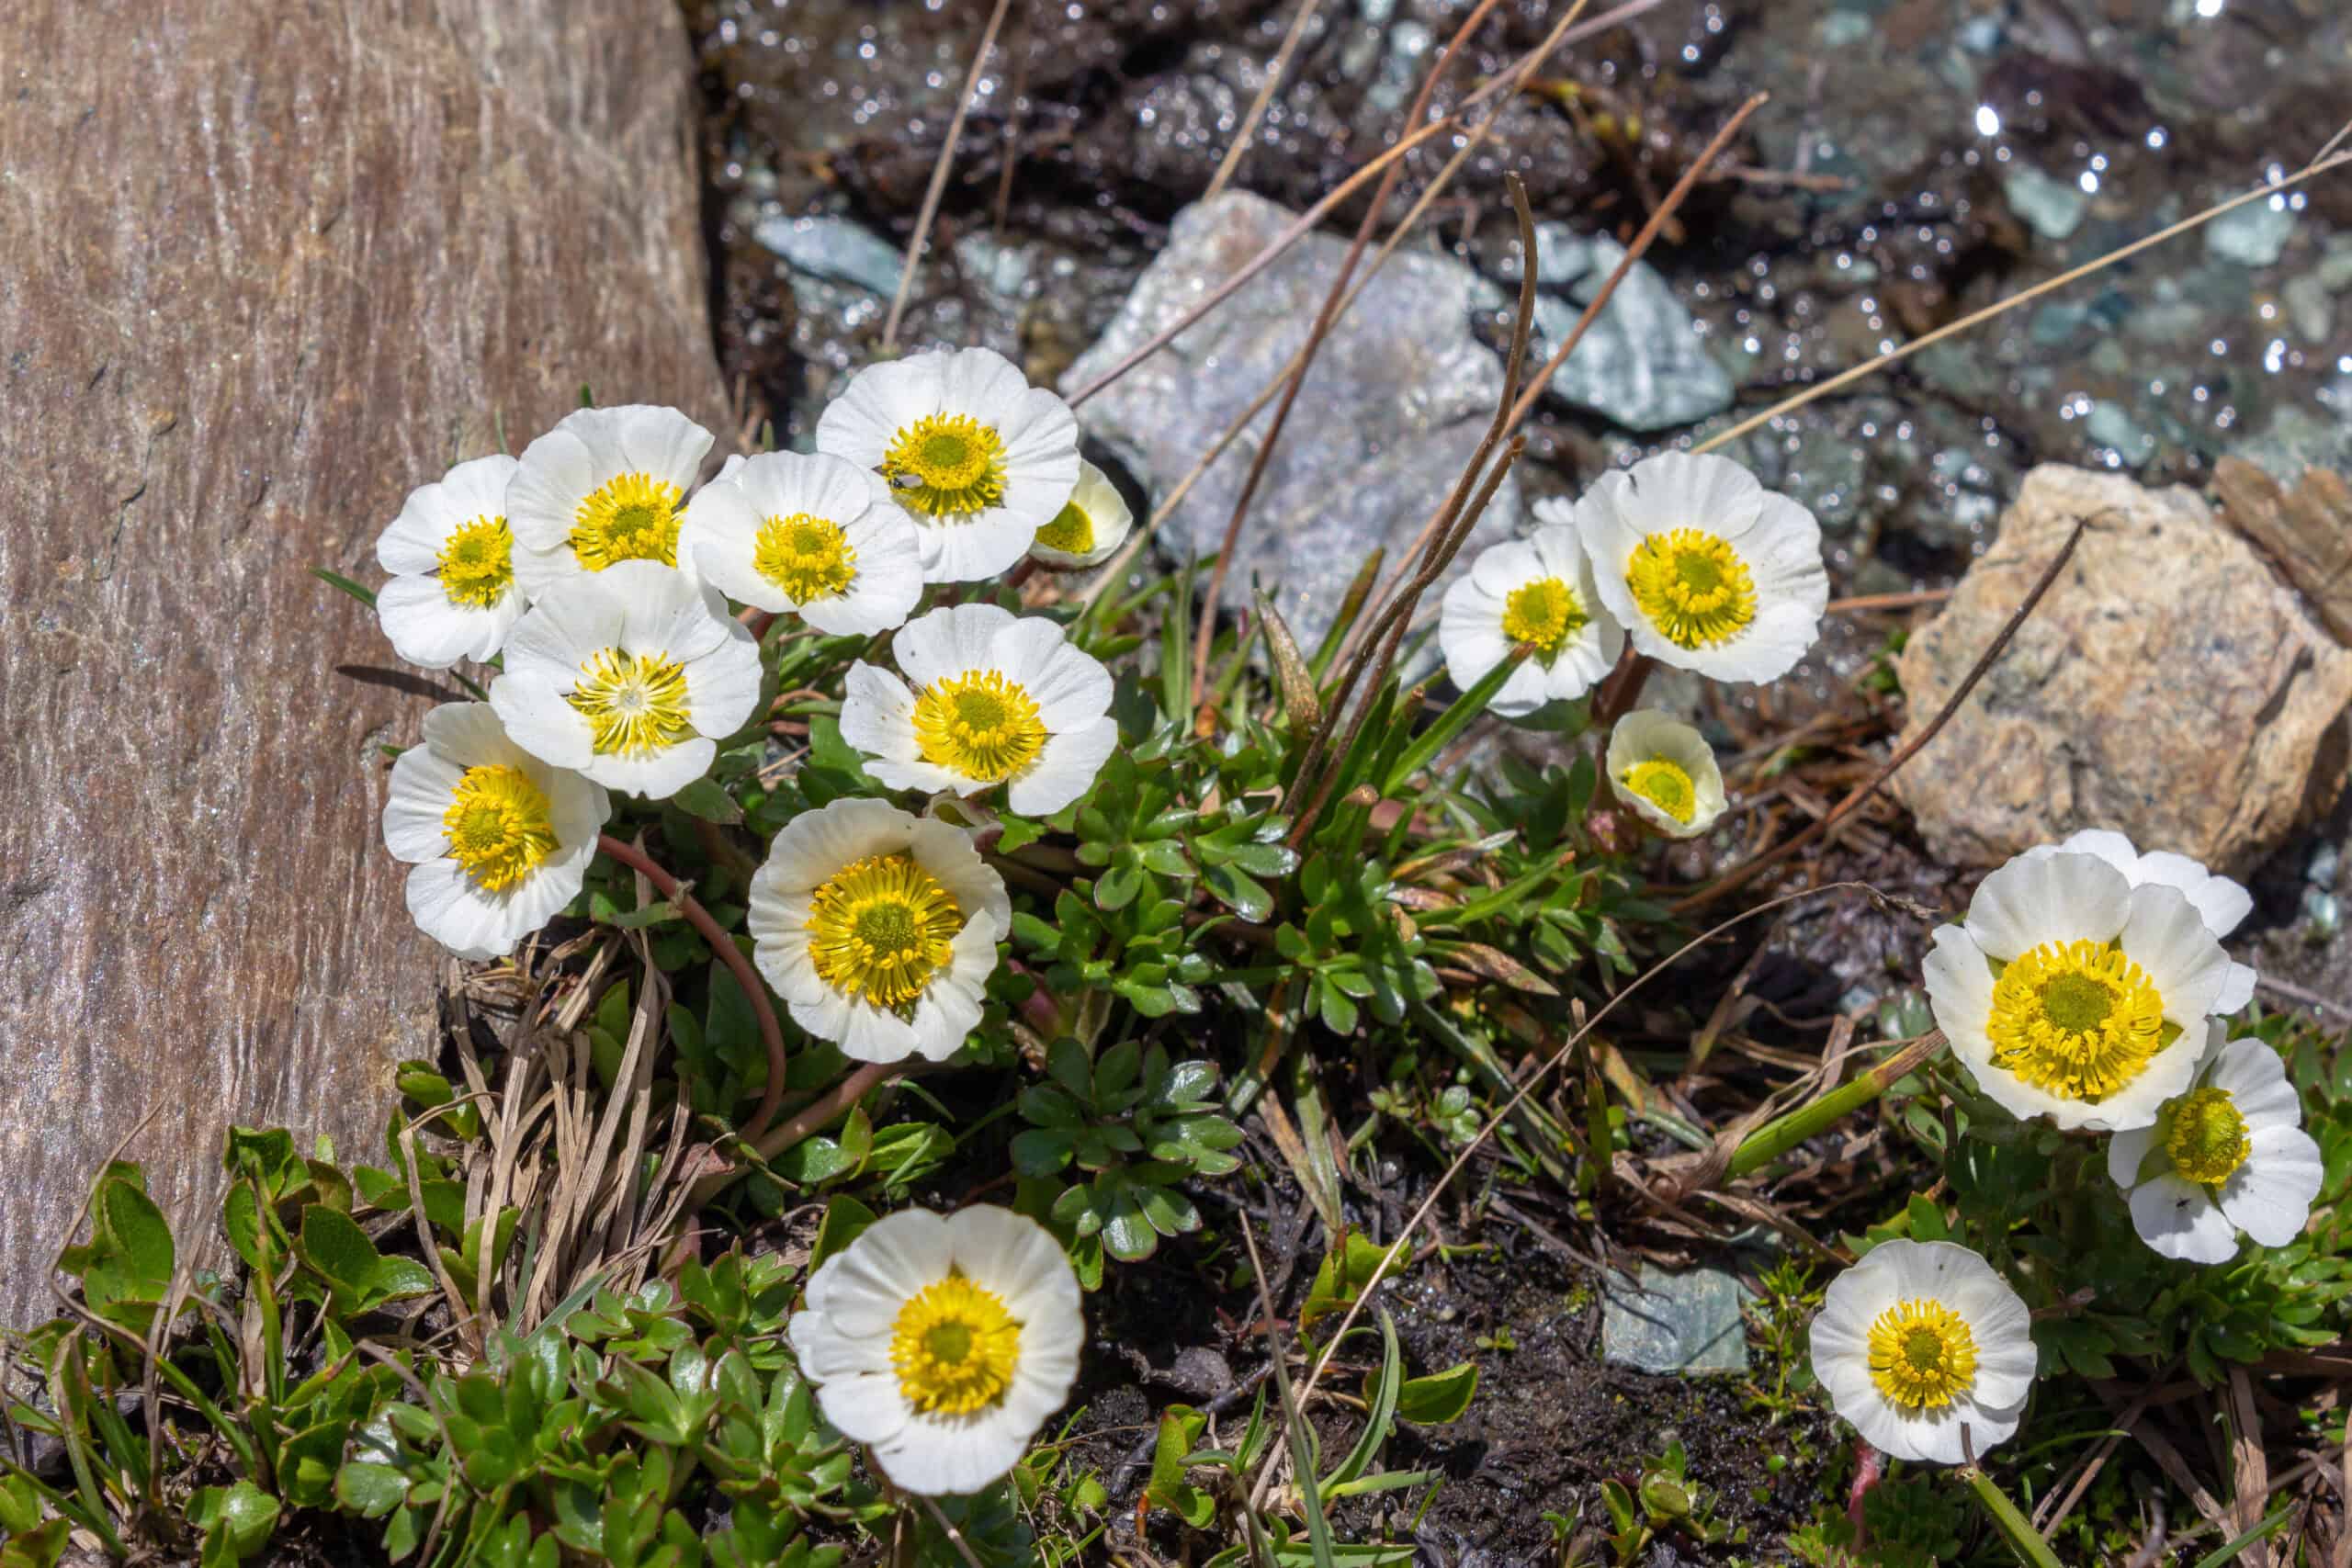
2169,686
272,266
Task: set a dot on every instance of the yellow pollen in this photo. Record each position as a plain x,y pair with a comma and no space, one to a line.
478,562
498,825
1546,613
981,725
806,557
629,517
2077,1018
954,1346
1664,784
634,702
946,465
880,927
1922,1354
1072,531
2207,1141
1692,586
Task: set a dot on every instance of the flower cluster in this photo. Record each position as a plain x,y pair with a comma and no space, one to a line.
1684,556
616,603
2087,987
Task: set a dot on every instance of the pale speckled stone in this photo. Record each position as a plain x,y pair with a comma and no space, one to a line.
2168,686
1396,404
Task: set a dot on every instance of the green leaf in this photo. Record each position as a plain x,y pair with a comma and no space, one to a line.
1019,832
1237,891
358,590
846,1219
339,1252
709,801
1440,1397
135,1231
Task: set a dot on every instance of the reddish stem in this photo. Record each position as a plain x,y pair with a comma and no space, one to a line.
755,990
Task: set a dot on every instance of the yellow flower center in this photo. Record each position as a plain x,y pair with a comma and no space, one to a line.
629,517
1072,531
634,702
498,825
478,562
2077,1018
980,725
1692,586
806,557
954,1346
2208,1139
1922,1354
1665,786
946,465
1546,613
880,927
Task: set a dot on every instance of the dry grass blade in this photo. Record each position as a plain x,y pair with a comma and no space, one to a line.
1300,228
938,186
1275,70
1978,318
1740,875
1536,1080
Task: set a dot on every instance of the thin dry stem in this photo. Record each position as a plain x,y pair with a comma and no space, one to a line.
938,186
1275,70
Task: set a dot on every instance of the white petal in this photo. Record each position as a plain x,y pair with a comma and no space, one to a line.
657,775
2167,937
984,546
931,649
416,802
2177,1219
865,1408
2060,897
932,1458
2126,1151
557,471
1682,490
2222,902
723,687
662,442
2270,1196
2257,1081
538,720
1065,770
879,713
2237,990
1069,687
1960,992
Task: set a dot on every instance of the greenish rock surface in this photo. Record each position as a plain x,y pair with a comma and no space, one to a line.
1684,1321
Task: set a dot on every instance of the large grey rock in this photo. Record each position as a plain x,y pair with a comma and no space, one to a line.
1390,415
2168,686
269,266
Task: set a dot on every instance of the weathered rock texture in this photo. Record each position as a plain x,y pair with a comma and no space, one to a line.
269,266
2169,686
1398,398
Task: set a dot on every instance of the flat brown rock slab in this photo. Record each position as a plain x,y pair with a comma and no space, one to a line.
2168,686
269,266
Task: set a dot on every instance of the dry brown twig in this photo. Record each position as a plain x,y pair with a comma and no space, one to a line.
938,186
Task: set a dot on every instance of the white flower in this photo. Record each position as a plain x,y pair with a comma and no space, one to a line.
453,594
1539,591
631,676
1089,530
499,839
2228,1156
998,699
2222,903
605,485
878,929
1707,570
813,535
942,1343
2072,994
1666,772
979,457
1919,1337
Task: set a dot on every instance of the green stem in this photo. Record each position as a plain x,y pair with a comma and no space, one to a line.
1454,720
2015,1528
1776,1138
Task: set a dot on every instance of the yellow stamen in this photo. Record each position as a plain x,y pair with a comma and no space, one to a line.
1072,531
498,825
2207,1141
880,928
1546,613
634,702
954,1346
1922,1354
1663,783
946,465
980,725
2077,1018
629,517
1692,586
478,562
806,557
